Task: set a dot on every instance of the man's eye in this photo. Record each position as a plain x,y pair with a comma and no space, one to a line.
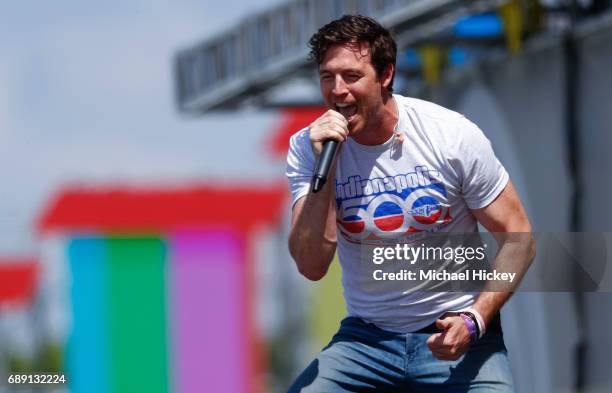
353,77
326,77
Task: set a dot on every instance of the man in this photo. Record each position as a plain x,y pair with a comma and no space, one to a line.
405,167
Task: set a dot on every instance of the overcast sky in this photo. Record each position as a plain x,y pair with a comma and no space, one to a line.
87,95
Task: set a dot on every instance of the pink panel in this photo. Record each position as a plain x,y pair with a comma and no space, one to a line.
208,311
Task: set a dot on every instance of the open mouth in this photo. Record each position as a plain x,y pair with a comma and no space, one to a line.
347,110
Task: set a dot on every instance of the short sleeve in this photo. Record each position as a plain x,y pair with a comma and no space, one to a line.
300,165
482,176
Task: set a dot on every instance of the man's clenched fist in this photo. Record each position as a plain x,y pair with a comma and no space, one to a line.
330,125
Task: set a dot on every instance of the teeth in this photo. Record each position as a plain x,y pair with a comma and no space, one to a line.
344,105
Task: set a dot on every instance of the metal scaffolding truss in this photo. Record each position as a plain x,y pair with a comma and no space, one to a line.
269,48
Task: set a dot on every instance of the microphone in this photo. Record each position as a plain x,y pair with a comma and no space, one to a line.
324,164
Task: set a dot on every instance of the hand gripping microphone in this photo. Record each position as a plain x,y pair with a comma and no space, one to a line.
324,164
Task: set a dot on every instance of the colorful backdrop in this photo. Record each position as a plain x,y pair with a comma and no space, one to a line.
161,286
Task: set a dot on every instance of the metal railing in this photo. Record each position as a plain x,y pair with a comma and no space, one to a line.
264,49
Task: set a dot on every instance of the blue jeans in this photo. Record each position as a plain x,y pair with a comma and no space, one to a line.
364,358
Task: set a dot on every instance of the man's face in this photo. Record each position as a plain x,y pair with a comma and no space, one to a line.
351,86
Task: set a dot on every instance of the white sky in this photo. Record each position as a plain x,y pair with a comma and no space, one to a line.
87,95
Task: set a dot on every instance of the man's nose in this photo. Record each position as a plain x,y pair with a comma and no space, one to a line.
339,86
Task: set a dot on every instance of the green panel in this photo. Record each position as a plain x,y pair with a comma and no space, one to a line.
328,307
137,315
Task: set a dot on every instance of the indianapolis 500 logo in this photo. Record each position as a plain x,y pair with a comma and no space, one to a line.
393,206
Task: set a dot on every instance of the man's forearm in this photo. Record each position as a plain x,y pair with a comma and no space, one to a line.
312,241
515,255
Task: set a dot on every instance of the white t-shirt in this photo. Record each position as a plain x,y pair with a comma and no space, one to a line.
427,183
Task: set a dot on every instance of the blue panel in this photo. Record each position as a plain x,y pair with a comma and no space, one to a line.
87,356
409,59
458,56
479,26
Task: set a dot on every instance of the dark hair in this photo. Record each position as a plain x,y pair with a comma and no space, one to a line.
356,29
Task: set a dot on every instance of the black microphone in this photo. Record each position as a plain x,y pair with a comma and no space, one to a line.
324,164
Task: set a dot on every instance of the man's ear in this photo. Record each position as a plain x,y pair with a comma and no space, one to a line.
387,75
